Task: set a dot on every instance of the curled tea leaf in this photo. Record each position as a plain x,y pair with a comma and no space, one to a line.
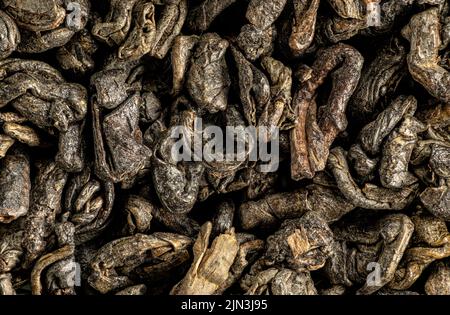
9,35
114,261
208,80
211,265
310,140
423,32
16,185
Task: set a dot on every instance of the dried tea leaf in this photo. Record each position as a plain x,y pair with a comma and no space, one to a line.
423,32
263,13
208,80
303,26
211,265
9,35
310,141
115,260
438,283
16,185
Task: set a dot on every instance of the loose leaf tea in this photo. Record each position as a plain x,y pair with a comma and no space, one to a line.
313,134
191,147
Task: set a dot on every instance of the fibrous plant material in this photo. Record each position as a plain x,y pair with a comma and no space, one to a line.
190,147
